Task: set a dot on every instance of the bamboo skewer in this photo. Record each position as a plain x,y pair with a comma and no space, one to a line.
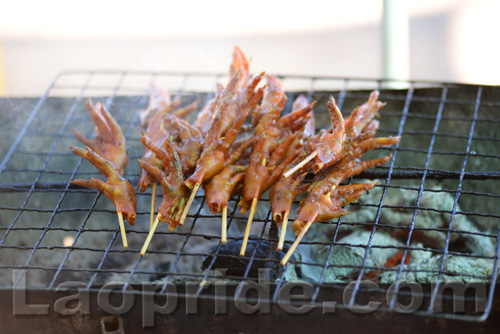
150,235
122,230
189,203
301,164
297,241
250,219
249,225
224,225
283,231
153,206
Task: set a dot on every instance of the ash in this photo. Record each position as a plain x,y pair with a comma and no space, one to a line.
470,248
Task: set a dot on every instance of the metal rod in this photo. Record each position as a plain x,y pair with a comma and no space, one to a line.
396,29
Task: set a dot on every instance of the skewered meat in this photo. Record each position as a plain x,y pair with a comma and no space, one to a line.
300,103
159,100
211,153
116,187
329,145
109,141
205,117
175,195
239,75
318,202
279,142
219,190
216,151
166,122
108,153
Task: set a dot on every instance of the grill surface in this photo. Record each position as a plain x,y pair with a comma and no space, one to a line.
448,148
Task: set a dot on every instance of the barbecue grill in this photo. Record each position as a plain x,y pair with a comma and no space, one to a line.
436,201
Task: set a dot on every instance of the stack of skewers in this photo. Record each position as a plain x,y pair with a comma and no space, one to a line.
226,157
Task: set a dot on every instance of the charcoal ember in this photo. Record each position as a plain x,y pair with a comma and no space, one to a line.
431,226
228,258
349,256
456,269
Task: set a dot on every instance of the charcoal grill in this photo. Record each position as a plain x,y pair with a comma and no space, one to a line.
449,146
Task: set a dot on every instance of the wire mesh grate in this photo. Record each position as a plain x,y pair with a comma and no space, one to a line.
432,219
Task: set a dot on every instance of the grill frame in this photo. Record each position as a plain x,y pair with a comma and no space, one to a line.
390,172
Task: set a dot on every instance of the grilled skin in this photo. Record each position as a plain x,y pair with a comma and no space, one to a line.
108,153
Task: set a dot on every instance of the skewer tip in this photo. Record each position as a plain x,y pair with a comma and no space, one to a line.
189,203
247,229
303,232
283,231
153,206
150,235
301,164
224,225
122,230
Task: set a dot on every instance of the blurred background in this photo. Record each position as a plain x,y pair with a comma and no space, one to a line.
446,40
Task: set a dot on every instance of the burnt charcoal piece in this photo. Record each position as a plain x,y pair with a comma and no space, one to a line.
228,258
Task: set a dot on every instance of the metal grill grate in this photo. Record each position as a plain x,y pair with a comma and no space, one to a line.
443,168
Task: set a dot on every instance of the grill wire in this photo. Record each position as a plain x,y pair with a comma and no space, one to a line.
38,200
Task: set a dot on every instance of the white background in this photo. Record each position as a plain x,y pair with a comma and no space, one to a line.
449,40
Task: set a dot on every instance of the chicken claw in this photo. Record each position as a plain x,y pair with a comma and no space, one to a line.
109,141
116,187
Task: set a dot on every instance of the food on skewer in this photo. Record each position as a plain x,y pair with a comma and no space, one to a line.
159,105
218,191
286,190
209,153
224,115
233,105
174,193
349,166
164,124
161,119
205,116
361,117
282,195
278,145
116,187
264,118
327,147
188,146
109,141
108,153
310,127
325,198
183,112
217,151
358,128
240,65
265,170
222,154
159,100
239,81
329,206
226,112
263,177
